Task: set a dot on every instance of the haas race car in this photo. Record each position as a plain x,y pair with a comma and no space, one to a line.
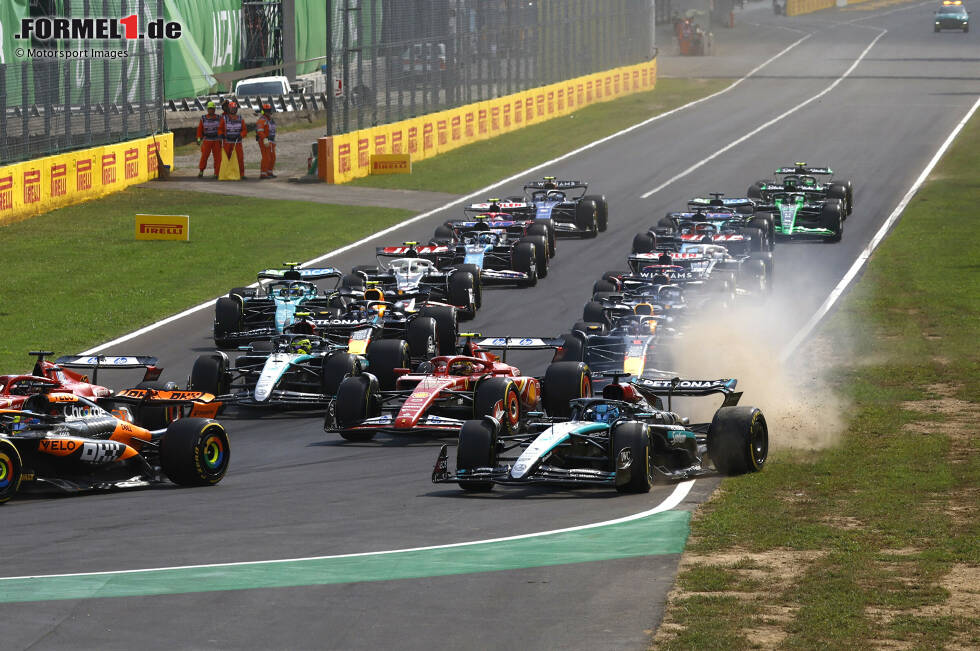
69,443
624,439
440,394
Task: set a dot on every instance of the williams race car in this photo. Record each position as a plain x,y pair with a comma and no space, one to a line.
69,443
623,439
566,203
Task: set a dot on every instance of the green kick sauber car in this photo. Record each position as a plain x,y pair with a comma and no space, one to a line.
795,218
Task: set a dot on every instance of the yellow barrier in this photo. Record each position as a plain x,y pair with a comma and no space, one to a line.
347,156
797,7
37,186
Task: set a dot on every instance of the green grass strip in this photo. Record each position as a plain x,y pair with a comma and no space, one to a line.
662,533
477,165
893,509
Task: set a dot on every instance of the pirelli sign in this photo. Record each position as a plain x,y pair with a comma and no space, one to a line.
391,164
163,227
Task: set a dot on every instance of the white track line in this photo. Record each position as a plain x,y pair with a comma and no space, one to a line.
676,497
859,263
482,192
735,143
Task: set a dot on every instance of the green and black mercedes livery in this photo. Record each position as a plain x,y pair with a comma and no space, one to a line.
795,217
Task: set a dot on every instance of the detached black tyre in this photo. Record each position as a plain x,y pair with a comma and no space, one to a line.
477,449
10,470
630,452
564,381
228,315
423,338
499,397
586,219
195,452
357,399
209,375
447,325
738,440
525,261
384,356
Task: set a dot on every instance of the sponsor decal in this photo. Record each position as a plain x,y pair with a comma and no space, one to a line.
363,152
343,155
396,142
45,28
413,139
108,169
518,111
380,144
456,127
494,118
151,158
470,122
131,165
101,452
421,394
163,227
59,180
529,109
442,132
624,459
427,141
391,164
506,116
561,99
481,120
32,186
551,102
58,446
7,193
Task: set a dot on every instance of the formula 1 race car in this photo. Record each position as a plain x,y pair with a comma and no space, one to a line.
497,245
951,15
732,223
293,371
440,394
566,203
623,439
635,342
802,218
249,314
69,443
411,281
803,178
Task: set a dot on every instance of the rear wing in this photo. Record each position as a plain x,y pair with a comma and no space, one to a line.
690,388
407,251
500,206
730,202
518,343
552,184
803,168
202,405
96,362
303,274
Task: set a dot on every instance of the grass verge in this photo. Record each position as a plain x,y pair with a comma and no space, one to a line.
76,277
875,543
477,165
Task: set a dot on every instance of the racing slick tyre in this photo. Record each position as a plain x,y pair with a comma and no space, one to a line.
591,327
546,228
358,397
573,348
525,261
540,252
595,312
629,451
604,285
447,326
499,397
477,449
564,381
758,240
644,243
210,374
384,356
601,210
334,369
614,275
353,281
586,218
244,292
194,452
478,284
832,218
754,276
462,293
738,440
423,337
839,191
755,190
443,235
228,314
154,418
667,222
10,470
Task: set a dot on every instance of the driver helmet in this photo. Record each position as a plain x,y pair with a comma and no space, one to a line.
461,367
661,279
487,238
790,183
301,346
707,229
605,413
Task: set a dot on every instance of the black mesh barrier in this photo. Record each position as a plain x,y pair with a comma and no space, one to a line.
71,94
396,59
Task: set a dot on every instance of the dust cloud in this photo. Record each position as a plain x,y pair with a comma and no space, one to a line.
802,410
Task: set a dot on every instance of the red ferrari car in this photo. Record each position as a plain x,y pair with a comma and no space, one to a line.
444,392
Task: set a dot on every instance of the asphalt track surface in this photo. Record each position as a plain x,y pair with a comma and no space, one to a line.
293,491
